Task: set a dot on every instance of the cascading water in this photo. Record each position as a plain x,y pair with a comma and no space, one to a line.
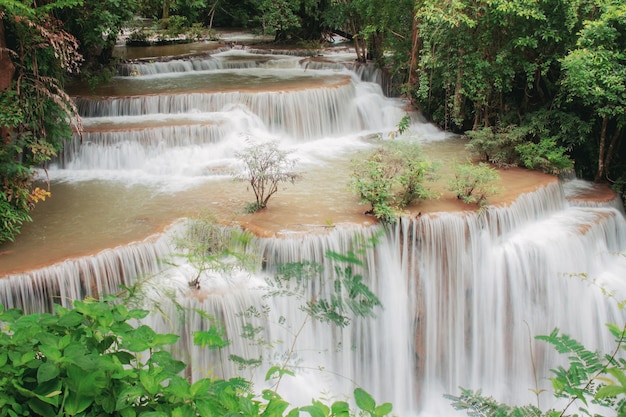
462,293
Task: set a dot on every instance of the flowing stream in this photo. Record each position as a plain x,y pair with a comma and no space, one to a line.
463,293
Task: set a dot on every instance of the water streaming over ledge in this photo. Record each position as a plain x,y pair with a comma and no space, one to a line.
462,293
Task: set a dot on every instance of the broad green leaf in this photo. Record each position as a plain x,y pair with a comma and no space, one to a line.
77,402
128,397
165,360
179,387
275,408
46,372
277,370
163,340
294,413
128,412
383,409
364,400
51,352
313,410
52,398
40,408
200,387
323,407
248,407
340,408
71,319
149,382
137,314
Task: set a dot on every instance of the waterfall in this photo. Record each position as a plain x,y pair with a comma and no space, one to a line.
462,296
290,112
488,283
84,277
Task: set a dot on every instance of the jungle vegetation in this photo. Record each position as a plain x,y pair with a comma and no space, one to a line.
541,84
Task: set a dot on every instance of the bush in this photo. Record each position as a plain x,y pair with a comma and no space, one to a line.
545,156
531,146
474,183
139,37
392,177
212,247
496,145
90,361
265,166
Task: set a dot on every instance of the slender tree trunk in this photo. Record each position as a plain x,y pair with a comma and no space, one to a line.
212,14
359,43
7,71
458,96
166,9
416,46
610,150
601,156
477,111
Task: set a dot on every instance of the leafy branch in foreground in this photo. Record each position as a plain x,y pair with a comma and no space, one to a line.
589,379
332,298
90,361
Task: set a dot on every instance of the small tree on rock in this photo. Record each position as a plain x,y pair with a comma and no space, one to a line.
473,183
265,166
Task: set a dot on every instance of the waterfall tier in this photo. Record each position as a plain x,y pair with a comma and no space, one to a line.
462,296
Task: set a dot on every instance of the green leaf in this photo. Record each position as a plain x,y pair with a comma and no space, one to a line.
280,371
52,353
128,397
214,338
164,340
77,402
383,409
610,391
313,410
200,387
149,382
46,372
40,408
364,400
179,387
275,408
165,360
619,374
340,408
71,319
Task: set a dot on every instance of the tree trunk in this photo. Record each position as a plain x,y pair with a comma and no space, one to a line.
166,9
601,156
457,113
416,46
7,71
375,49
610,150
212,14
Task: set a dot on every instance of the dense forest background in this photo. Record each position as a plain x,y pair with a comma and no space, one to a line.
534,83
